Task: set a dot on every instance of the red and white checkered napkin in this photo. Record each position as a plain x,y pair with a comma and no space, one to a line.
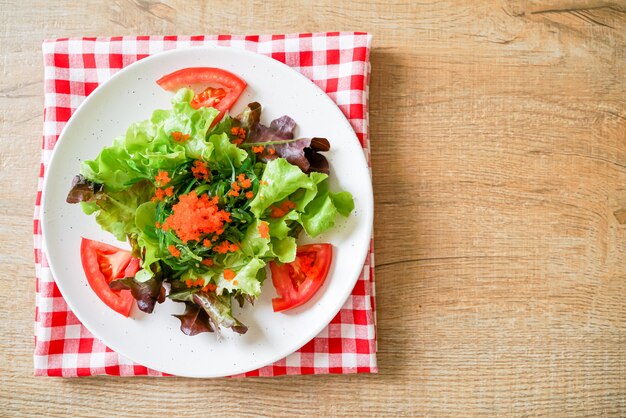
338,62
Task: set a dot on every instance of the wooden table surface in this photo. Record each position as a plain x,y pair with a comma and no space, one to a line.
499,158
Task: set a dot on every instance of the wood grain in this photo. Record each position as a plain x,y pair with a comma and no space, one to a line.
499,159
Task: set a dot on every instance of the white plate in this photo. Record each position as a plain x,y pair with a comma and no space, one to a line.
155,340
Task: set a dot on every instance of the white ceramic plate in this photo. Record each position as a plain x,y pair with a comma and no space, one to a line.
155,340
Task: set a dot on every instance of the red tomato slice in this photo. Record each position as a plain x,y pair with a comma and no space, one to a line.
224,88
132,268
297,282
208,98
104,263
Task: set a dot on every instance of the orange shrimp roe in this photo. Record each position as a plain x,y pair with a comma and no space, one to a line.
195,216
225,247
258,150
207,262
264,230
179,136
241,135
249,195
193,283
209,288
282,210
200,170
162,178
173,250
238,131
236,186
159,194
229,274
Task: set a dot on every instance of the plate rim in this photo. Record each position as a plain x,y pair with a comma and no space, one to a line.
366,208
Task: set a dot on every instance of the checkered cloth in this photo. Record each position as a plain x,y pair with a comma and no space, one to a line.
338,62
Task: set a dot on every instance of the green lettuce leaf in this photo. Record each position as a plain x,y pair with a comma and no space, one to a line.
276,245
247,277
303,197
115,211
280,179
284,249
145,219
281,227
252,244
113,167
343,202
319,215
184,118
148,145
226,154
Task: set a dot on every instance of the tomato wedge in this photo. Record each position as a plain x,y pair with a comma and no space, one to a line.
298,281
132,268
222,88
104,263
